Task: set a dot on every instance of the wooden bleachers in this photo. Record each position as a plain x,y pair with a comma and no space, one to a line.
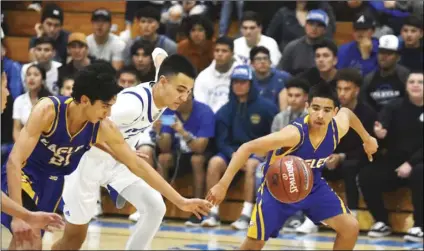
77,17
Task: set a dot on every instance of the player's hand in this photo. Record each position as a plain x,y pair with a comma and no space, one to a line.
404,170
333,161
379,130
196,206
45,221
216,194
22,232
370,147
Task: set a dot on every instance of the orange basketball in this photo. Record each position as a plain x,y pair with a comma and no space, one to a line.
289,179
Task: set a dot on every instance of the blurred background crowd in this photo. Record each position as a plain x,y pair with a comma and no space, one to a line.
251,82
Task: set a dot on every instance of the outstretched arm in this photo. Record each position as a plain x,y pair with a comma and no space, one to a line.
158,56
287,137
109,133
345,119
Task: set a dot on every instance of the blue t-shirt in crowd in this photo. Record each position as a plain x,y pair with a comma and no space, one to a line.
201,123
350,56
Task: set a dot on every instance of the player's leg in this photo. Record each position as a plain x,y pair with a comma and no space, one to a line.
268,216
249,194
324,205
80,200
149,203
216,168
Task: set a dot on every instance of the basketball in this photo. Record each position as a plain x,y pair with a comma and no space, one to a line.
289,179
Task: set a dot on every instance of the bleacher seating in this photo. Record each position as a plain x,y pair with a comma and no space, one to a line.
77,18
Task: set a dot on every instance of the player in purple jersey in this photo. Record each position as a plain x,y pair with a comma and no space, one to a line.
312,138
58,132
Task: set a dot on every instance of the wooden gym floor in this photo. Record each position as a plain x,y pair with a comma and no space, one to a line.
112,234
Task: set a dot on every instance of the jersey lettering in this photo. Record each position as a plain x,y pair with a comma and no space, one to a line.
61,156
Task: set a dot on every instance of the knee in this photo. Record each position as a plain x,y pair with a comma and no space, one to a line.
251,166
197,162
350,227
149,151
216,165
165,158
158,205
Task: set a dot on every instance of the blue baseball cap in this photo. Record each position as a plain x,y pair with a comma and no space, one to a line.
242,72
319,16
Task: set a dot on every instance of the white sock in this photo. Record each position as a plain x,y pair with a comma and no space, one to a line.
247,209
215,210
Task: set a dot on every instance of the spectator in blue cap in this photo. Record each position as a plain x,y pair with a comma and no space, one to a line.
245,117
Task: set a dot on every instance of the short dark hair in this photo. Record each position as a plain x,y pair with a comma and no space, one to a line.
201,20
258,49
147,47
96,81
128,69
297,82
63,79
226,41
44,40
175,64
414,20
349,75
40,69
323,90
326,43
251,16
148,12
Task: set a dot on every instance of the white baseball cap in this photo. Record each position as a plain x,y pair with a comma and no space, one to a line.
389,42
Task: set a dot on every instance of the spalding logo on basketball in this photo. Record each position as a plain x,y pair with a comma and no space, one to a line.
289,179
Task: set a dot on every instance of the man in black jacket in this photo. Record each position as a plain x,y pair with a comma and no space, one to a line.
401,125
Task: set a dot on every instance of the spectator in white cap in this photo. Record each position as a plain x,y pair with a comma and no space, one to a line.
299,54
387,82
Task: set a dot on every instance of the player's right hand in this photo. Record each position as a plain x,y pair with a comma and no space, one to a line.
22,231
216,194
196,206
370,147
46,221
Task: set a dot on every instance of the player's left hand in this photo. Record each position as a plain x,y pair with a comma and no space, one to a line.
404,170
46,221
216,194
196,206
370,147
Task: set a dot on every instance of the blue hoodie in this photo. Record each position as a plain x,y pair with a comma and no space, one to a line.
238,123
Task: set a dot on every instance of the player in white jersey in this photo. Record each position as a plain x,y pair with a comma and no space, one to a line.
136,109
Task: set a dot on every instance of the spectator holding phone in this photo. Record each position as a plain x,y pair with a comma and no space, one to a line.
183,141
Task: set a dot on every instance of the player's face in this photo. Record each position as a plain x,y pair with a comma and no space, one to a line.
98,110
325,60
66,89
33,79
321,111
4,91
414,86
127,79
347,92
296,98
176,89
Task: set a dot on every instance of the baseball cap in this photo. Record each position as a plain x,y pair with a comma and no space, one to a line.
101,14
389,43
318,16
52,11
77,37
363,22
242,72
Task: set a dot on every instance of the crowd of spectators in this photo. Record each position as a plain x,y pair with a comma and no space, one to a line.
250,85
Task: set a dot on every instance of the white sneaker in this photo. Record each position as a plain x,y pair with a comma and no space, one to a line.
379,229
134,217
308,227
414,234
241,223
211,221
